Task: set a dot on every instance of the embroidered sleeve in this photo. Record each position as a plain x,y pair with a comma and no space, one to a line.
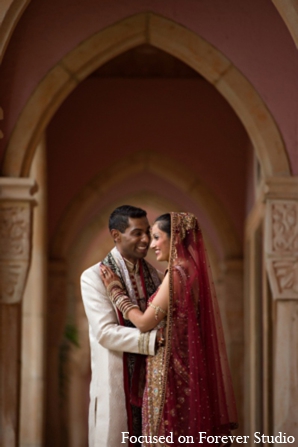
144,340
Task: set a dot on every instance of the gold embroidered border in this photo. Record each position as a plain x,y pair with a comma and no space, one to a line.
143,343
147,338
173,254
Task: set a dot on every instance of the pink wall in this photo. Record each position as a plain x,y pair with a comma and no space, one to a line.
250,33
187,121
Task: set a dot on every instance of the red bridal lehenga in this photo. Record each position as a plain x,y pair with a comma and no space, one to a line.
188,384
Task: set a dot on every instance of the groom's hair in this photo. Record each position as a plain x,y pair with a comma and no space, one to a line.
119,217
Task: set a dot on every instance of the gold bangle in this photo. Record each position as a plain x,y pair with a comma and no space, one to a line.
112,285
157,310
132,306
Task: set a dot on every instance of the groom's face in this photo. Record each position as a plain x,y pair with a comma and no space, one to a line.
133,244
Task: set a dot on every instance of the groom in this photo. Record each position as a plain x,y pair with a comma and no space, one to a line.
117,368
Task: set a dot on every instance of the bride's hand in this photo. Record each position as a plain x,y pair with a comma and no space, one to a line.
107,275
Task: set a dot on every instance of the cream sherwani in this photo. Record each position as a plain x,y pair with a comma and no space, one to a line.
108,341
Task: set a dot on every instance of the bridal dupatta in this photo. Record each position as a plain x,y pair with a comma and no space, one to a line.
197,393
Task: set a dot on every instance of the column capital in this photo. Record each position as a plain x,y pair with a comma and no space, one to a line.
281,247
17,189
16,202
280,188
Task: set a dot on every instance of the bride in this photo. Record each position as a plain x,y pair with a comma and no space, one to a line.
188,387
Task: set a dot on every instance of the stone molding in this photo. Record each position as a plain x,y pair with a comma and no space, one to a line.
17,189
281,188
16,203
281,247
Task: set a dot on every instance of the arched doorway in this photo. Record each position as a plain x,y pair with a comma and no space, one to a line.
148,28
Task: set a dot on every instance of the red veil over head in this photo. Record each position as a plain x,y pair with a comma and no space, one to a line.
196,384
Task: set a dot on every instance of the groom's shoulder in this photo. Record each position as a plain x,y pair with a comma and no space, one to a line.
91,272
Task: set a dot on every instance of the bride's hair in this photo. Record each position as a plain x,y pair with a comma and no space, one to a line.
164,223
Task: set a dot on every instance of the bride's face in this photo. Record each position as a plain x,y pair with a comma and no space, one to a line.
160,244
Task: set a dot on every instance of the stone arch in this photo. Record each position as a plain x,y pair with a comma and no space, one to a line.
145,162
170,37
10,13
289,13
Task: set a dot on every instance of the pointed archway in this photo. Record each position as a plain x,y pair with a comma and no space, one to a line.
172,38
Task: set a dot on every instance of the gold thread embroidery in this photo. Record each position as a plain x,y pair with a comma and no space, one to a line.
181,370
157,310
147,342
180,223
173,253
187,222
141,343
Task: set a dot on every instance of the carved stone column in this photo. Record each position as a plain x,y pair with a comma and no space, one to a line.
281,246
15,248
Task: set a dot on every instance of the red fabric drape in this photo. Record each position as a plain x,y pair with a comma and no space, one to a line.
197,388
